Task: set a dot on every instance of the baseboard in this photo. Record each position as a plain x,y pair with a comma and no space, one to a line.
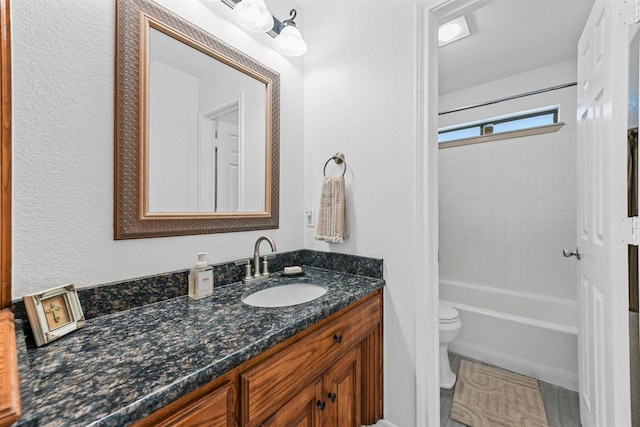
517,364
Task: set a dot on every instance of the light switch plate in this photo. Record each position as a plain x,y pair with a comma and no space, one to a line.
309,217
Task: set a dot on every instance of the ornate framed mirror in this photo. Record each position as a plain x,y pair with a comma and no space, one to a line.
196,133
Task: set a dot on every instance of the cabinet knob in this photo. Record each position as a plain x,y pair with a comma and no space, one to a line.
321,405
332,396
337,338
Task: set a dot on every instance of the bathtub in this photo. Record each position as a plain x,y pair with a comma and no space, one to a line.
529,334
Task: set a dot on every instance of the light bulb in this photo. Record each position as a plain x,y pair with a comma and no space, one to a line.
290,42
253,15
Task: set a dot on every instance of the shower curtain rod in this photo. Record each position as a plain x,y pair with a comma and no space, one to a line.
509,98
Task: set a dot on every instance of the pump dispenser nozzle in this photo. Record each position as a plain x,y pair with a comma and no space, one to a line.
201,263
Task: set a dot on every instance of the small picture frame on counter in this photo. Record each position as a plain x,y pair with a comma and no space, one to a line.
53,313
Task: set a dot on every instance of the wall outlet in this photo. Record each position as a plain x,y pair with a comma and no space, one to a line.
309,217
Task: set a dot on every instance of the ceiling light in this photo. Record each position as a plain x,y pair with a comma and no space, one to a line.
452,31
253,15
290,42
448,32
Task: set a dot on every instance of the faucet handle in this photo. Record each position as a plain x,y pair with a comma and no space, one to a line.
265,263
247,267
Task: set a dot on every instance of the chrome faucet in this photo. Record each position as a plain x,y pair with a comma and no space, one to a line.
257,275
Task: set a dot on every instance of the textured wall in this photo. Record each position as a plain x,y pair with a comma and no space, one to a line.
359,100
63,148
508,208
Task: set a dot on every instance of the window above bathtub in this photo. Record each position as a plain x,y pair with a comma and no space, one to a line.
524,123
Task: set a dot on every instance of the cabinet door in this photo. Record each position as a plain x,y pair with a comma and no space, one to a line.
266,386
342,388
304,410
372,369
215,409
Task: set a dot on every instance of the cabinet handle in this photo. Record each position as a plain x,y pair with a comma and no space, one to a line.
332,396
337,338
321,405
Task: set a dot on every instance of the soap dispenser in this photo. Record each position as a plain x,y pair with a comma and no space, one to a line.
201,279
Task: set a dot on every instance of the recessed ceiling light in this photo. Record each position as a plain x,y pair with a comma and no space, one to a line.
452,31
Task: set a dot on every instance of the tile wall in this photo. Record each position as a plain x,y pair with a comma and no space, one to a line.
507,209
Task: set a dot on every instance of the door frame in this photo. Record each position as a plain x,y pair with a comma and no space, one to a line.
429,14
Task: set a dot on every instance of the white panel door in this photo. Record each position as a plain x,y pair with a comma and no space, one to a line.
602,152
227,170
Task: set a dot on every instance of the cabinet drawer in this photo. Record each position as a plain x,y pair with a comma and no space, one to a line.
268,385
212,410
212,405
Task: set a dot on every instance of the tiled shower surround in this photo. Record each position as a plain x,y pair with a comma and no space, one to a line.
507,209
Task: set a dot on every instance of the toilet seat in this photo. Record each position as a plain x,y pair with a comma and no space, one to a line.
447,314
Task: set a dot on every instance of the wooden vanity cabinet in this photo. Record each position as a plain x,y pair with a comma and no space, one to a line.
329,375
302,410
10,406
213,405
271,383
329,401
342,386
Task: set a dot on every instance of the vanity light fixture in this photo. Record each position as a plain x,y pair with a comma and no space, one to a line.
253,15
290,42
287,37
452,31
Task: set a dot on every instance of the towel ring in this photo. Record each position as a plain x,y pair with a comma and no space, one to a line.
339,159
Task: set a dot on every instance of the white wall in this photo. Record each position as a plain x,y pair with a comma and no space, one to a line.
173,128
359,99
253,104
508,208
63,53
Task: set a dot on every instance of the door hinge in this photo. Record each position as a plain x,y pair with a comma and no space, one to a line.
626,231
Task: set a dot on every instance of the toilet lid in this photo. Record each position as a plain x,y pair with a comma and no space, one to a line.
447,314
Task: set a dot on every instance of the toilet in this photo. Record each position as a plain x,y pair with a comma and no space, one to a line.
449,326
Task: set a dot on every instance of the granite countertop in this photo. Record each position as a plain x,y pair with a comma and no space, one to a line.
119,368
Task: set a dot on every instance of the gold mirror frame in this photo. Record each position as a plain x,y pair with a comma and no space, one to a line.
130,221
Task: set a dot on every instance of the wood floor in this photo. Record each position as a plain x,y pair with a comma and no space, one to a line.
560,404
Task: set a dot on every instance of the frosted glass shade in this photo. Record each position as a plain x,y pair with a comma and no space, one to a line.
253,15
290,42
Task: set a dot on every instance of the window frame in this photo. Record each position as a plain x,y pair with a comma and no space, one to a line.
505,119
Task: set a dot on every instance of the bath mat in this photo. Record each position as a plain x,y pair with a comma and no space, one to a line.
486,397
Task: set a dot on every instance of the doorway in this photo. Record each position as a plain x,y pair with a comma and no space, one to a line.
428,165
219,188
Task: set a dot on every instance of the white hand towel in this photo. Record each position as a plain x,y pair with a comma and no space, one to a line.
333,218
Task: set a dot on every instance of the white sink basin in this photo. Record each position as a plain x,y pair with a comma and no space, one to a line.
284,295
